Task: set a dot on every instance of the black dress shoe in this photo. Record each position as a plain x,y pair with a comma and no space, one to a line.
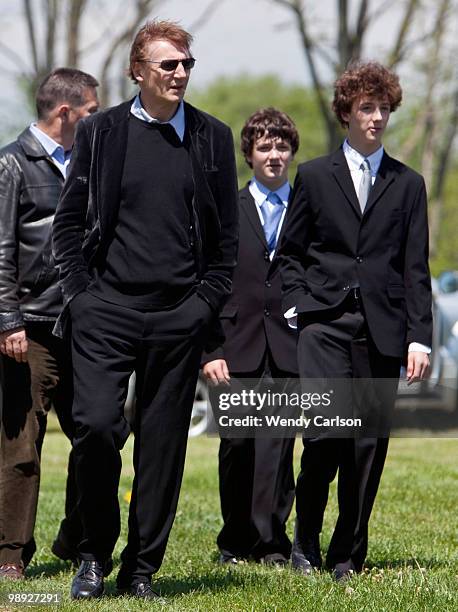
88,581
342,572
306,556
301,564
277,559
142,590
227,559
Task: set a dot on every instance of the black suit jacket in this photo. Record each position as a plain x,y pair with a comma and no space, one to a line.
252,319
88,208
328,246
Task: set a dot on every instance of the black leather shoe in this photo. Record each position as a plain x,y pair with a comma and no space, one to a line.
343,572
301,564
227,559
142,590
276,559
88,581
305,555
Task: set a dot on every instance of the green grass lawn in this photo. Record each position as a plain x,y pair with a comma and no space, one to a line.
412,563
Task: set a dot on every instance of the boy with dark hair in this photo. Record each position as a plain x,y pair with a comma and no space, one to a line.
256,474
354,263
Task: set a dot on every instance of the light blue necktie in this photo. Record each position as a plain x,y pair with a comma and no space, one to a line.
272,210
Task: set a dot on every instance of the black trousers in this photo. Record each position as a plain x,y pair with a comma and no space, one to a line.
337,345
110,342
29,391
256,483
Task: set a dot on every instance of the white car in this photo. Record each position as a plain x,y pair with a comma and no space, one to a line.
201,417
444,371
441,388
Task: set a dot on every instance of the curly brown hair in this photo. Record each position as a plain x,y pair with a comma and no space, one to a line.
365,79
156,30
268,122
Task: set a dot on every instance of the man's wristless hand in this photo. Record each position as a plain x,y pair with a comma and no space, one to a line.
417,366
217,372
14,344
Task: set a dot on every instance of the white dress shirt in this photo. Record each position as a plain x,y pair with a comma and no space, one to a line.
355,159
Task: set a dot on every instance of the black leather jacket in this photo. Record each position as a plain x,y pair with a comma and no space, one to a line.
30,185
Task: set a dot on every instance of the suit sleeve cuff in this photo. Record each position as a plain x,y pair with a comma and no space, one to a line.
291,317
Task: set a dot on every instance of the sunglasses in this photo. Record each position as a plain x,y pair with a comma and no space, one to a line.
170,65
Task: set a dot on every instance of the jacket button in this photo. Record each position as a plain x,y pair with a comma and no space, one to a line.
266,255
268,283
346,288
266,312
359,259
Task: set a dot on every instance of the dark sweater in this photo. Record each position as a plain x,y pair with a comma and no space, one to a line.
150,262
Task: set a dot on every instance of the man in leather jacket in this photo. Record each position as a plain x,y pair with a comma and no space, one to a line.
145,237
36,366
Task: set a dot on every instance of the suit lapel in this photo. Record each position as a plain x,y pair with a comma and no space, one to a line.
201,148
248,206
342,175
383,179
111,154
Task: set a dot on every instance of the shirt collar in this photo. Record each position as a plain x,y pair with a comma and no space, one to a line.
260,192
355,159
177,121
49,145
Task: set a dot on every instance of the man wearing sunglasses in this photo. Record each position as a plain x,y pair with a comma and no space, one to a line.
145,237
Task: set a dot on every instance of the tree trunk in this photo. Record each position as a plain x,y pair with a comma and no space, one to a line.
74,15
